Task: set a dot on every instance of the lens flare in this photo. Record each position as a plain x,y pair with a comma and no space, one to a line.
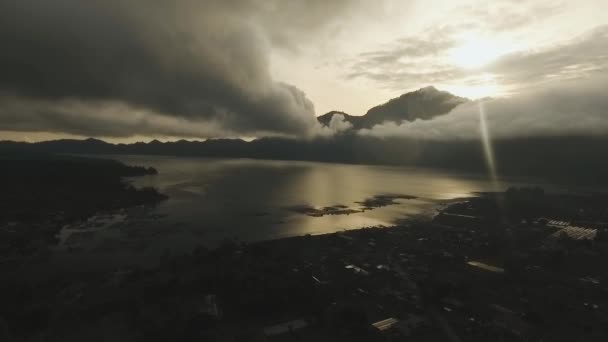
488,151
487,144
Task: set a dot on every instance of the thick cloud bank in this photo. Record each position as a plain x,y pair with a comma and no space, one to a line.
575,108
337,124
124,67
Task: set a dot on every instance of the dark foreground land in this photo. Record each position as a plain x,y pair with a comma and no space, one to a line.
514,266
41,193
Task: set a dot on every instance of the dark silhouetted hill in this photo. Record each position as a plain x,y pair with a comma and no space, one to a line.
37,186
573,159
424,104
325,119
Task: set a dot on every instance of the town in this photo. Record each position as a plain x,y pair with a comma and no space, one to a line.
513,266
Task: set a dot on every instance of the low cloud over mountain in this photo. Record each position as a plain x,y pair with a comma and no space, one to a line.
422,104
574,108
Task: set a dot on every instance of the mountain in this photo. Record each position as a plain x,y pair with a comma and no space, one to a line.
424,104
325,119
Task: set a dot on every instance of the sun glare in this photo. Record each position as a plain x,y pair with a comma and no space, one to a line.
476,52
479,87
478,91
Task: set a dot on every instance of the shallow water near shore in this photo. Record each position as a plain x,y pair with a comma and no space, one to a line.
211,200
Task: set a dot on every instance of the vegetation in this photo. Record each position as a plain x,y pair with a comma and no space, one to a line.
40,194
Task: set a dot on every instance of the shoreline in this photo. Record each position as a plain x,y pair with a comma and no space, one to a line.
43,194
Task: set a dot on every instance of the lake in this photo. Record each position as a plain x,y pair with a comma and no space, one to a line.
211,200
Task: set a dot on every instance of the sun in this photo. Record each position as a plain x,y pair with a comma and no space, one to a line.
476,51
478,91
477,87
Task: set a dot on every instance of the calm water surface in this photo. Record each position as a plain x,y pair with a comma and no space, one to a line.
211,200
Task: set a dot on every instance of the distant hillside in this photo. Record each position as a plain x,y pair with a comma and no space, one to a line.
572,159
425,104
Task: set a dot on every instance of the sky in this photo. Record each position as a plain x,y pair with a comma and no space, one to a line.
129,70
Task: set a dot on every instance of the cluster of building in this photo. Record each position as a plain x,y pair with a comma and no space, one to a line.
466,276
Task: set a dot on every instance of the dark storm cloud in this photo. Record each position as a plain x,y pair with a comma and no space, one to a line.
94,118
187,62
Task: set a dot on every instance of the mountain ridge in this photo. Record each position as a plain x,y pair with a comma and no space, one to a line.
515,157
425,103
